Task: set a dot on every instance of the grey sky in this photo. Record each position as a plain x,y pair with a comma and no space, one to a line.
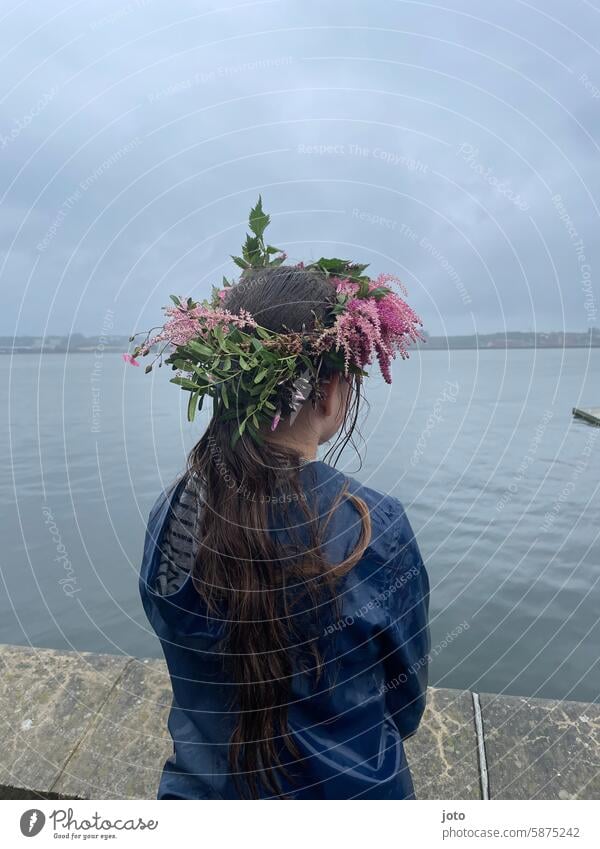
431,140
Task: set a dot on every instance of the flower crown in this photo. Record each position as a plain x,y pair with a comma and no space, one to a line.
257,375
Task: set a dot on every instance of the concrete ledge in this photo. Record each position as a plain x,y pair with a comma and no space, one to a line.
48,700
541,748
84,725
443,753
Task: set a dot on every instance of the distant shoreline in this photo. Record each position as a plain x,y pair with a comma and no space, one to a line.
509,340
448,347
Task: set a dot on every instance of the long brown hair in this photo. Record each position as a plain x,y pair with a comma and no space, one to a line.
242,572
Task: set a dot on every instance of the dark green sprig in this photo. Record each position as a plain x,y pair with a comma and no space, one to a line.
255,253
343,268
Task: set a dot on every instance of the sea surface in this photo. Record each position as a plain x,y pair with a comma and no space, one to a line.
500,483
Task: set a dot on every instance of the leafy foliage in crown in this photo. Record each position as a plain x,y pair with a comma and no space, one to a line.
256,375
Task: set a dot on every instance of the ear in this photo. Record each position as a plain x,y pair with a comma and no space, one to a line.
328,404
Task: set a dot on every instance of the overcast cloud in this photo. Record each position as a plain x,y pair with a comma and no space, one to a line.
455,144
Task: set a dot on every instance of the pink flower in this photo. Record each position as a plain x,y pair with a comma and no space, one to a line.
371,327
276,419
129,359
222,294
345,286
385,279
187,323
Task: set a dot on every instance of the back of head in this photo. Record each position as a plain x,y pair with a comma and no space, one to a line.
283,297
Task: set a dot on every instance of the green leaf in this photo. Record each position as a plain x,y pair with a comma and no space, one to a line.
191,410
258,220
219,336
200,375
251,251
175,300
262,332
237,433
357,269
379,292
255,434
185,383
239,261
184,365
333,264
224,395
261,375
199,348
335,358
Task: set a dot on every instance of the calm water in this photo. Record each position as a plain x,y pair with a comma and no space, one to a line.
500,484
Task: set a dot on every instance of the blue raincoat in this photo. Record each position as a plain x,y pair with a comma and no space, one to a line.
350,726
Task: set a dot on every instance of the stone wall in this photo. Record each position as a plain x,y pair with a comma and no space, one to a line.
93,726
